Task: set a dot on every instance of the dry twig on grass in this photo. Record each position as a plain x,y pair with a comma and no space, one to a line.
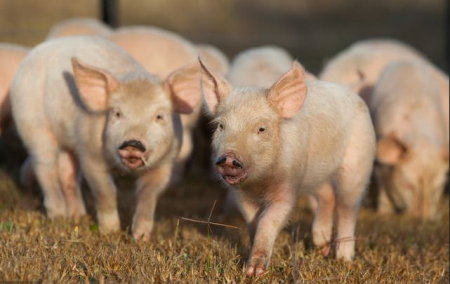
208,222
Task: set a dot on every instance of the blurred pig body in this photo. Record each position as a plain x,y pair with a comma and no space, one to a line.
11,56
109,120
214,58
260,66
360,66
79,26
161,52
412,140
298,136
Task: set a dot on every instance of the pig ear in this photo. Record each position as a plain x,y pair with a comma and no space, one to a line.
287,95
390,150
214,88
94,85
183,86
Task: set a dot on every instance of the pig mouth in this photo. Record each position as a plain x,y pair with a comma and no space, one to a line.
132,158
232,175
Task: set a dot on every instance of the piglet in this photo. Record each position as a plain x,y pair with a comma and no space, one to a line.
412,149
84,103
297,136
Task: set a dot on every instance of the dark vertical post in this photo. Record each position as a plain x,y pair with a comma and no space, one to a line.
446,30
110,12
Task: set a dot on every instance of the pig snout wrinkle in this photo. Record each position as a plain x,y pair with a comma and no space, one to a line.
133,143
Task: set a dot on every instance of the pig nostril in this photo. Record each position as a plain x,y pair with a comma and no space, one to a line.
133,143
221,160
237,164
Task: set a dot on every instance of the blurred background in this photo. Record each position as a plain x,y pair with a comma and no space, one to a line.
312,30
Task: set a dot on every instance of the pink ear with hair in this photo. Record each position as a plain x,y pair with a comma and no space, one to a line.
214,88
390,150
184,88
94,85
287,95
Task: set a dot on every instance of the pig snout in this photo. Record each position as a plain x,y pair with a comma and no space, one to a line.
231,169
132,154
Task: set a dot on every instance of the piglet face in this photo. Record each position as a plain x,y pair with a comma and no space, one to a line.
142,112
247,139
414,177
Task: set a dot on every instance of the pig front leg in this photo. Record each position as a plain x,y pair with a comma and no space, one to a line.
104,190
150,186
270,221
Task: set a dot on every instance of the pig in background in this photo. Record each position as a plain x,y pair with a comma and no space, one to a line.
79,26
412,154
111,120
260,66
215,58
11,55
360,66
299,136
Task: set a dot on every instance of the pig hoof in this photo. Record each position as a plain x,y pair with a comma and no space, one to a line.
326,250
257,266
142,231
141,236
109,223
54,213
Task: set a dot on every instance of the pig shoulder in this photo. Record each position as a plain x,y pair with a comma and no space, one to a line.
316,139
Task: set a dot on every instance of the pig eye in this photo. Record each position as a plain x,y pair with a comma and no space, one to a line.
116,112
261,130
159,117
220,126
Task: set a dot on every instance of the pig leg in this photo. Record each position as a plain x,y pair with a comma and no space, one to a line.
27,178
104,190
44,154
150,186
384,205
248,209
68,179
323,221
351,181
270,221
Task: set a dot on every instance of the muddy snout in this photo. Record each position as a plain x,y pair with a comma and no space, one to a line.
132,154
231,169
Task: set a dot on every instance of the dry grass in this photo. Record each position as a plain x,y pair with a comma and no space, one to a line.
389,249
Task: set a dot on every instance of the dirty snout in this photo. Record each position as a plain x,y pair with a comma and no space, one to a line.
231,169
132,154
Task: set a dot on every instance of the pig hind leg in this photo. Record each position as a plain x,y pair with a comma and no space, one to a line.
323,221
351,182
68,173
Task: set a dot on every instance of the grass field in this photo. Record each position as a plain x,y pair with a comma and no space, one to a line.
390,249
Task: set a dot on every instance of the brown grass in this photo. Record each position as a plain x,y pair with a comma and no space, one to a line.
390,249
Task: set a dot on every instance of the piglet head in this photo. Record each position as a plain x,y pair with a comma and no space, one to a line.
143,125
247,140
